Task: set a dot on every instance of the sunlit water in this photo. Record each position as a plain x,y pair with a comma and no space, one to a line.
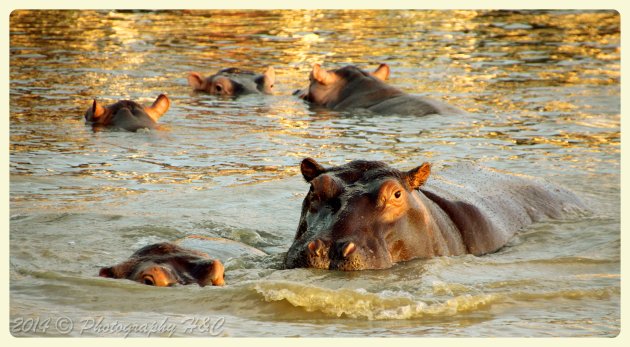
542,89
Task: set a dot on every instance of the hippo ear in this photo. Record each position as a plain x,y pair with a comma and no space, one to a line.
207,272
381,72
159,107
311,169
416,177
97,109
322,76
106,272
196,81
270,76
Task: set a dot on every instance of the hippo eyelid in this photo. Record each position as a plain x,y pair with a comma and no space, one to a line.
148,280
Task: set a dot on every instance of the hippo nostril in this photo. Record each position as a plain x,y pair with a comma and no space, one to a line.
348,249
148,280
316,247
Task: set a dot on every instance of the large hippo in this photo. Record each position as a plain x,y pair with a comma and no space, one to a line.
234,82
367,215
185,261
127,114
352,88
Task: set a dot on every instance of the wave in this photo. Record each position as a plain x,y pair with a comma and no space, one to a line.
400,305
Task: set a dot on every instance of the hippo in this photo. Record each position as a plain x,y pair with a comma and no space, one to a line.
367,215
352,88
185,261
127,114
234,82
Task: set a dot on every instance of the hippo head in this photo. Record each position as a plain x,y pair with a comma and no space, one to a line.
356,216
234,82
329,87
166,264
126,113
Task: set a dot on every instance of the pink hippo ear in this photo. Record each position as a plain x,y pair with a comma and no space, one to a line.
322,76
270,77
381,72
97,110
159,107
196,81
311,169
217,274
418,176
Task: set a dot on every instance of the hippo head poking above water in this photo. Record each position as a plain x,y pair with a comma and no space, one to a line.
166,264
234,82
356,216
367,215
352,88
126,114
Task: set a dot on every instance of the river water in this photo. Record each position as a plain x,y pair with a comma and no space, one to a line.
542,89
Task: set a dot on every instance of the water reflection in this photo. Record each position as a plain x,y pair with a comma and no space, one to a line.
542,89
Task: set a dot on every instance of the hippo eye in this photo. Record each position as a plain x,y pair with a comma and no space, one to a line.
398,194
219,88
148,280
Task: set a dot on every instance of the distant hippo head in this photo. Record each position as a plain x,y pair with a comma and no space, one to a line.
167,264
352,88
327,88
126,114
356,216
234,82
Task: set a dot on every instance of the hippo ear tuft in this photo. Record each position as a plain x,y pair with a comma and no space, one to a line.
97,109
311,169
159,107
381,72
418,176
196,81
208,272
217,274
322,76
270,76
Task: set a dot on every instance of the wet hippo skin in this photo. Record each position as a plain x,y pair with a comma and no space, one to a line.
166,264
127,115
367,215
234,82
352,88
183,261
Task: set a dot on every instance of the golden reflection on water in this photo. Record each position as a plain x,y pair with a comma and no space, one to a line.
542,88
494,62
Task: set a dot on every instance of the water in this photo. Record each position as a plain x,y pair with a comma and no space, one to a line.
544,96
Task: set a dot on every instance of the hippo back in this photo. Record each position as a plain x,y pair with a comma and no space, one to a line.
489,207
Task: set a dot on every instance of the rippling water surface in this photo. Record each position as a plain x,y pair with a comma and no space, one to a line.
543,93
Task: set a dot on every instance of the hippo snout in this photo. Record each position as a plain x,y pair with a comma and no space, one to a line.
351,256
312,254
346,256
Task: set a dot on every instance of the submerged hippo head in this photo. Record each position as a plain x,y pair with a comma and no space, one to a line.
234,82
126,114
167,264
356,216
